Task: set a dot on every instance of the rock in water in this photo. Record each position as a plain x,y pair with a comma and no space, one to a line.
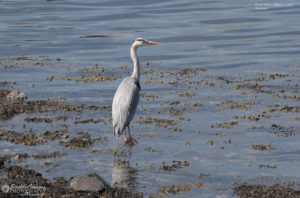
89,182
16,96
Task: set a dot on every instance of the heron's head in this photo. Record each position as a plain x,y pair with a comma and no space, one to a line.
140,42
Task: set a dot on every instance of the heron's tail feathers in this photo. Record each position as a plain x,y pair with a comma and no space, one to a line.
117,131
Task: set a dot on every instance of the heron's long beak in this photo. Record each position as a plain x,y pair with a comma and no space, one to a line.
152,43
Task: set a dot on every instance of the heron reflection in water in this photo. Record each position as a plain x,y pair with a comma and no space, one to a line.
123,175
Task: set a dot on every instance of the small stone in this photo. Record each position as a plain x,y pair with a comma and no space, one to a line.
89,182
65,136
17,157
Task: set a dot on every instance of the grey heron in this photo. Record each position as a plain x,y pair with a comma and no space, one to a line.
127,95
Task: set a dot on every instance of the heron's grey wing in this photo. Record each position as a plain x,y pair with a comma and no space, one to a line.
125,104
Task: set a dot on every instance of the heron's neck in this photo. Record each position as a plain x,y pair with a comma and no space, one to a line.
136,64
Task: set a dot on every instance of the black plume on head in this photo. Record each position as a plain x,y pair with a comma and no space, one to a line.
140,39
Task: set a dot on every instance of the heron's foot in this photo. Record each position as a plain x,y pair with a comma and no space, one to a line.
129,141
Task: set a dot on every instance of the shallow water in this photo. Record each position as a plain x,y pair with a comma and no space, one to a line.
228,47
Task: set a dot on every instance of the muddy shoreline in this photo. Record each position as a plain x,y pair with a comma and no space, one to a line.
22,182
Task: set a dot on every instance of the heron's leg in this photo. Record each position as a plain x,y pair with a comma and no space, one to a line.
129,132
126,139
125,132
131,140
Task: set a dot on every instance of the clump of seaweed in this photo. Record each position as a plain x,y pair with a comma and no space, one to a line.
178,189
262,147
175,165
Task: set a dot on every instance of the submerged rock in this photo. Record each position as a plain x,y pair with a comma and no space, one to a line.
10,103
89,182
246,190
16,96
4,159
15,102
